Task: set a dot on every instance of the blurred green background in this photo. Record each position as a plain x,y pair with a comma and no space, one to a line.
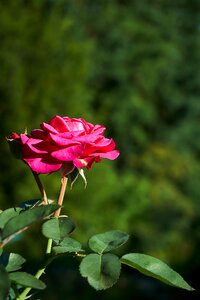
133,66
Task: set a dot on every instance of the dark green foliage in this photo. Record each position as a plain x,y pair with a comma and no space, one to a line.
4,283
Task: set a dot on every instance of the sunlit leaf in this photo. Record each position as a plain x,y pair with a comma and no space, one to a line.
58,228
27,280
67,245
11,261
7,214
101,271
105,242
25,219
154,267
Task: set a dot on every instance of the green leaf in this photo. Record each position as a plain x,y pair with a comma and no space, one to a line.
105,242
154,267
58,228
4,283
27,280
75,174
13,293
11,261
7,214
25,219
101,271
67,245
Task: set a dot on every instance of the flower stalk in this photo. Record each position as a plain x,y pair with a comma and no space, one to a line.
41,187
63,186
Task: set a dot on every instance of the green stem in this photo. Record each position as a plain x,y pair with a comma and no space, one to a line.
23,295
41,271
49,246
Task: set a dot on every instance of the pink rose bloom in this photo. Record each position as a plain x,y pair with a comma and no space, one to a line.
65,143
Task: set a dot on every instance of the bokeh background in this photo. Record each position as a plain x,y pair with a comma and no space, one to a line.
133,66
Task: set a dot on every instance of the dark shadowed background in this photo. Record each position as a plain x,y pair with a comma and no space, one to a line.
133,66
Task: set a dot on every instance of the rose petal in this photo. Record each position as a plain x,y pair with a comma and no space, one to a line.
75,125
85,162
37,145
24,138
109,155
81,124
60,141
98,129
59,124
67,154
88,127
43,165
48,128
104,145
38,134
89,138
